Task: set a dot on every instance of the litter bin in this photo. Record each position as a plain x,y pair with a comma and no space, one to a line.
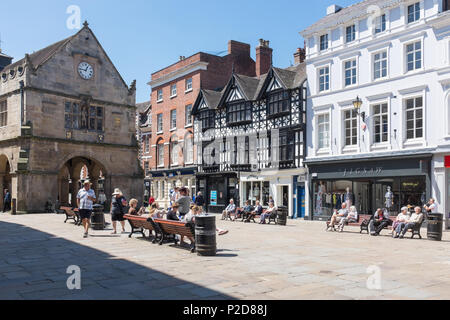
205,235
435,225
98,217
282,214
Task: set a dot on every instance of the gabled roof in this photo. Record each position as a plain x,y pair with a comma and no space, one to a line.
252,88
40,57
143,107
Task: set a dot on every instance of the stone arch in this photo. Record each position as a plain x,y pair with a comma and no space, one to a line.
5,177
70,180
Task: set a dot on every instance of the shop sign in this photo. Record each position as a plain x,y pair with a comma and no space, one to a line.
214,198
362,171
447,161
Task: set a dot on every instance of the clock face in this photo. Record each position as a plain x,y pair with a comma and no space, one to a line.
85,70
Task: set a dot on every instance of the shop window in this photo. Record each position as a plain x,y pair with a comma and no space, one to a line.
278,103
445,5
351,127
414,118
3,113
256,191
380,123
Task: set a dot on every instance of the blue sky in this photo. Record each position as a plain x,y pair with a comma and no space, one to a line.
142,36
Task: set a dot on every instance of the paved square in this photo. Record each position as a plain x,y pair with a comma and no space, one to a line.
299,261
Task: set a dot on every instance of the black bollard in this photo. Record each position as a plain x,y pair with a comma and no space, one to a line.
205,235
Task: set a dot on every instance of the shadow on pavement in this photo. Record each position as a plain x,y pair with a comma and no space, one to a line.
33,266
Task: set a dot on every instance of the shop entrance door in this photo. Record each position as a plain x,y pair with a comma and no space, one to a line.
300,202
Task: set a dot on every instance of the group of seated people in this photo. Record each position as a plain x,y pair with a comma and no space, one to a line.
249,212
404,221
173,214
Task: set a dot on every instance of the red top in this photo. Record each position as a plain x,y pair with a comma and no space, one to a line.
447,161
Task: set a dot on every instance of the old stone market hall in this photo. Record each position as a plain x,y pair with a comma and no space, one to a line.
66,114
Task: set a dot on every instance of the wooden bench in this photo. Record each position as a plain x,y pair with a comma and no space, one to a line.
72,214
167,228
138,224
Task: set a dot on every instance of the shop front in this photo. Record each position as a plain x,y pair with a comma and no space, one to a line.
217,190
447,202
389,183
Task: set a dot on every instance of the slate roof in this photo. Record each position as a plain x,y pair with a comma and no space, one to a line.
143,106
39,57
212,98
348,13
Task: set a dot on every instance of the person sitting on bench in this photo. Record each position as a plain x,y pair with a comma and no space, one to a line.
379,222
268,213
338,216
244,212
416,218
172,214
257,210
190,218
155,212
400,222
133,211
352,217
229,210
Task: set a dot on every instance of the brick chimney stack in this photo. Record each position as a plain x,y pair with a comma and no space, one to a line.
263,57
299,56
238,48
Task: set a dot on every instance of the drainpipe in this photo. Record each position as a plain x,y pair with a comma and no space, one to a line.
22,113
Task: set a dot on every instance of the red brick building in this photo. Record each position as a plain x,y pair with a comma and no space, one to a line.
174,91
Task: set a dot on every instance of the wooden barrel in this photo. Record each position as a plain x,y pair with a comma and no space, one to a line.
205,235
435,224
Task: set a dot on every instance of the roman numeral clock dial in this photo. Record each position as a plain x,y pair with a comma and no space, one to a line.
85,70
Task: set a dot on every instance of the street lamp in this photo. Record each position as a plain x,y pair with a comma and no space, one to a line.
357,105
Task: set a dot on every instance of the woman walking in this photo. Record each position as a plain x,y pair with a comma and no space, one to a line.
118,206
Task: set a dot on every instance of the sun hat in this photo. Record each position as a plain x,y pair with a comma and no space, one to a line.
86,182
117,192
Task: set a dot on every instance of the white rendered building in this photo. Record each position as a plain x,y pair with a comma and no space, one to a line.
395,56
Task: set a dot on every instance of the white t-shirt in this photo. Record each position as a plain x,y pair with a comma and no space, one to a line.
433,208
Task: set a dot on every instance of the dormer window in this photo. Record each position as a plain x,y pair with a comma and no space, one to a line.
278,103
239,112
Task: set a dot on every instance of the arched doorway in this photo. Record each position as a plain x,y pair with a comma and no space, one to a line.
5,177
72,175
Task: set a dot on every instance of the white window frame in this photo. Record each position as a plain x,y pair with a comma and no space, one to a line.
372,116
188,124
387,65
404,122
420,12
354,33
320,42
173,90
158,118
160,155
189,154
187,89
159,95
327,149
172,127
329,78
4,113
344,85
174,156
350,147
378,21
405,55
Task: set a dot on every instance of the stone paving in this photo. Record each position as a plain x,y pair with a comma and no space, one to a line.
299,261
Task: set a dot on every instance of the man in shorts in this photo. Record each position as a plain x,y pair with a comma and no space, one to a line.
85,201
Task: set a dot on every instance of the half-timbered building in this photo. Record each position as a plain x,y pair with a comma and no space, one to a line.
250,140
